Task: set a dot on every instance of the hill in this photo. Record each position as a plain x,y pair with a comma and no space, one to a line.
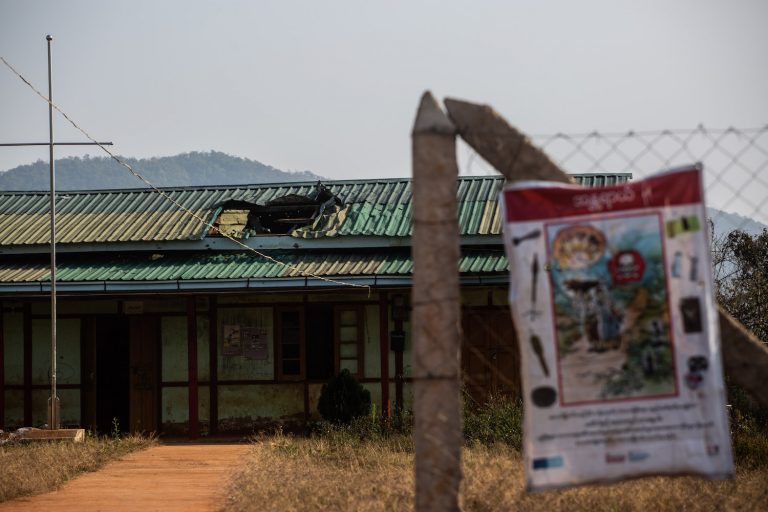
196,168
725,222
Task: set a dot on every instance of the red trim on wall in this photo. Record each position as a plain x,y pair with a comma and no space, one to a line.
384,352
213,365
399,371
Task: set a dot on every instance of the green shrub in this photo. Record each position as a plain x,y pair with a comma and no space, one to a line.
497,420
749,428
343,398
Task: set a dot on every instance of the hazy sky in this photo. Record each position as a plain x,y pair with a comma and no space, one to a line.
332,86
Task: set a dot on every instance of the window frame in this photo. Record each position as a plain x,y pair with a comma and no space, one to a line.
279,359
360,312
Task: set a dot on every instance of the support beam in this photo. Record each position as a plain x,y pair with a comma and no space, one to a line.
745,358
436,310
213,365
399,373
194,422
27,335
384,352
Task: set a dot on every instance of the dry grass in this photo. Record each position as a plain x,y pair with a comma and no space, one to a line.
327,473
34,468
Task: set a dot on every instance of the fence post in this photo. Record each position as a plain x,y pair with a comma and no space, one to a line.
745,358
436,308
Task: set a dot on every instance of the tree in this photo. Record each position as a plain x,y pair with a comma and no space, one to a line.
741,278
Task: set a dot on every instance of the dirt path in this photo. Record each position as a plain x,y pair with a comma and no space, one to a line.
579,370
183,477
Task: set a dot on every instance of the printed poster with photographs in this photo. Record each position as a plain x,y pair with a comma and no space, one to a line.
255,341
611,294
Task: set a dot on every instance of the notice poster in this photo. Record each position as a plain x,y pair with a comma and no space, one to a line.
611,294
231,340
255,343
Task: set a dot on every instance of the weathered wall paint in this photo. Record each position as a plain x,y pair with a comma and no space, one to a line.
341,297
67,306
174,410
407,396
244,407
371,350
474,296
263,298
13,341
165,305
203,407
203,355
173,340
375,389
40,307
239,367
500,294
14,409
70,407
314,391
67,351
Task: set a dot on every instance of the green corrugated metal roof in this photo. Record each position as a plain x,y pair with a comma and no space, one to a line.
374,208
601,180
213,266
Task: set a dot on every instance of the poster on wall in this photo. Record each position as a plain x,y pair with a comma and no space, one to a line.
231,338
612,298
254,341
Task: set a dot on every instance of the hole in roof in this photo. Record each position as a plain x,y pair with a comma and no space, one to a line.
279,216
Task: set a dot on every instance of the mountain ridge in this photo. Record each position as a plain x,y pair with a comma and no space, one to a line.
186,169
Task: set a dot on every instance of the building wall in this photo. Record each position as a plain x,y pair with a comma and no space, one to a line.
244,388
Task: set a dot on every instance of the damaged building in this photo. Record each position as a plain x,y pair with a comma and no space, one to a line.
231,313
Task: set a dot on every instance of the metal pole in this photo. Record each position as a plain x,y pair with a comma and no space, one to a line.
53,401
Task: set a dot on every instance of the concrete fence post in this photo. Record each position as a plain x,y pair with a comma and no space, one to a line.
436,311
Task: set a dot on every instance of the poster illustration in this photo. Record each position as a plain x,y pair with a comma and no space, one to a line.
612,299
231,340
611,311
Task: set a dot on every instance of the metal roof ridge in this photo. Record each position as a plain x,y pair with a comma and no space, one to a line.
244,185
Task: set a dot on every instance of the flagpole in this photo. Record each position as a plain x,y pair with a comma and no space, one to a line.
53,401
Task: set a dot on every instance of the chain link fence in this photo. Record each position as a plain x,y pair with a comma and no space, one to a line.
735,162
735,166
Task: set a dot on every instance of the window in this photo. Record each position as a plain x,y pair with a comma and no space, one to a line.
349,339
290,343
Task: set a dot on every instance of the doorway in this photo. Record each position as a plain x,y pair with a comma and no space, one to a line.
489,353
320,354
112,376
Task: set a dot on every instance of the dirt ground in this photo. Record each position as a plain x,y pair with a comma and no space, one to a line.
174,477
580,368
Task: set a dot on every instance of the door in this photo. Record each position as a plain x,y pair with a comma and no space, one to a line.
144,347
111,375
489,353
